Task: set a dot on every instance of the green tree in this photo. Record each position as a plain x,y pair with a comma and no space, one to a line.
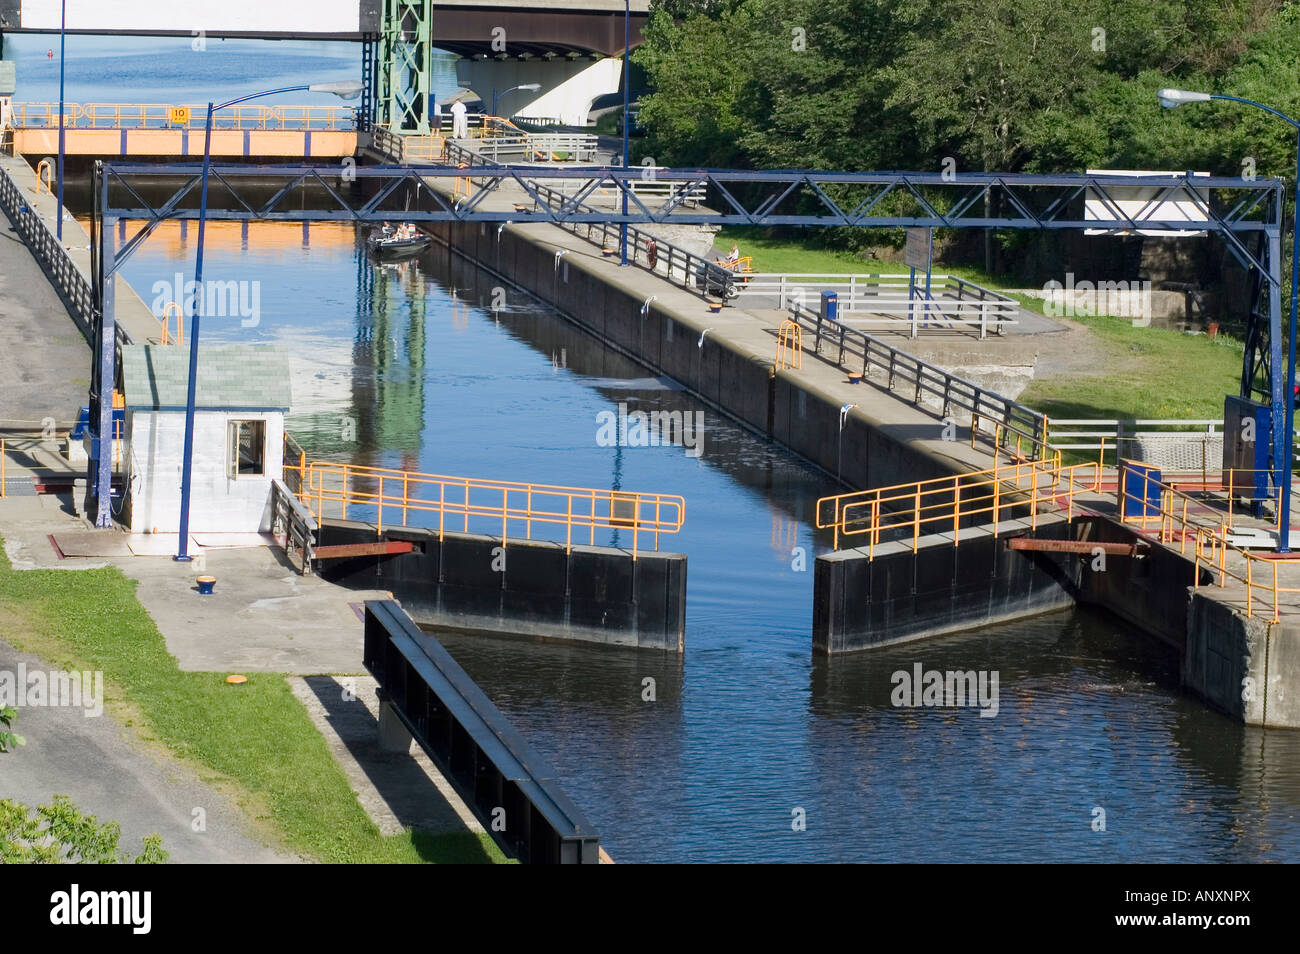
9,739
59,833
697,69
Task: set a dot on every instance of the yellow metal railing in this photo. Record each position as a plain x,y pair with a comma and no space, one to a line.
45,176
166,336
789,345
987,497
424,147
1180,517
512,510
462,185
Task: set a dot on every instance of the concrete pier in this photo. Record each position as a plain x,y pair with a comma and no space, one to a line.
1246,668
528,588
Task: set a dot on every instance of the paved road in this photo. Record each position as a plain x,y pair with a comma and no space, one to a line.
46,360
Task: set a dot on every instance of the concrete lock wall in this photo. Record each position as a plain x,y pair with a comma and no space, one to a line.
1241,666
776,405
903,595
527,588
941,589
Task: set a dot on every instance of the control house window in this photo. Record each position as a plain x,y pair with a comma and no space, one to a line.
247,444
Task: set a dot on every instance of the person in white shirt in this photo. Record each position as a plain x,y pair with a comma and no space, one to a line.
459,124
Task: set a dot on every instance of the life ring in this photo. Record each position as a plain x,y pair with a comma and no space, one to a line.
651,253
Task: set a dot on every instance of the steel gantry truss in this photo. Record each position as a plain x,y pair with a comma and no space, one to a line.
403,70
1245,213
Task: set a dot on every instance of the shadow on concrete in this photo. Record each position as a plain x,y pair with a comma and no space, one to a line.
396,789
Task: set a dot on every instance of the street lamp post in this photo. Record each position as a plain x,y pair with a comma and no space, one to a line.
530,86
344,90
627,121
1170,98
63,42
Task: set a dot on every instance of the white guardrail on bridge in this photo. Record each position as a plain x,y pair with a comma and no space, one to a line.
881,302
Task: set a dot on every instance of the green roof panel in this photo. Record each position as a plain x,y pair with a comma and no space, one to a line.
230,376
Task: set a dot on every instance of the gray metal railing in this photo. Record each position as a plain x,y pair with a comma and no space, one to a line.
885,302
664,259
73,287
290,518
384,140
931,387
539,147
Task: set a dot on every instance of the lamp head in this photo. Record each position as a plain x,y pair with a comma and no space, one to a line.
1169,98
532,86
349,90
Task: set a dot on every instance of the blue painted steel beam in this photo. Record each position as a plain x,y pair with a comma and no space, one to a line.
1237,209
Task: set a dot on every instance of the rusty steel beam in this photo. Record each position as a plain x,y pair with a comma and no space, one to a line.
383,548
1085,547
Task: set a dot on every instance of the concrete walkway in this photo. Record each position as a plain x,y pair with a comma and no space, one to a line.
131,312
53,377
262,617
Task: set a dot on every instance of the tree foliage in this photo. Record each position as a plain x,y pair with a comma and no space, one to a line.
1009,85
9,739
60,834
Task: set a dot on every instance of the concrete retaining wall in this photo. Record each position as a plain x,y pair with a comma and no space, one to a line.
528,588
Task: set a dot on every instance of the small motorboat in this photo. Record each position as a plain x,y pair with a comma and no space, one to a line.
389,242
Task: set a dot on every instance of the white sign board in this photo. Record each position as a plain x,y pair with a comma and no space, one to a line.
1140,204
916,254
190,16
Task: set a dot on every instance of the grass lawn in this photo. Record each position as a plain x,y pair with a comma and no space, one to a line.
254,741
1142,373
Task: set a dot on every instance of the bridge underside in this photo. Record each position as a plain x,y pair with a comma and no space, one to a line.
540,28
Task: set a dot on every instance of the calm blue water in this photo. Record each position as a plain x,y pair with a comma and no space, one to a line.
409,367
127,69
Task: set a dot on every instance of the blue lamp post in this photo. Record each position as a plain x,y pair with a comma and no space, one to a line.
627,104
1169,98
63,42
344,90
